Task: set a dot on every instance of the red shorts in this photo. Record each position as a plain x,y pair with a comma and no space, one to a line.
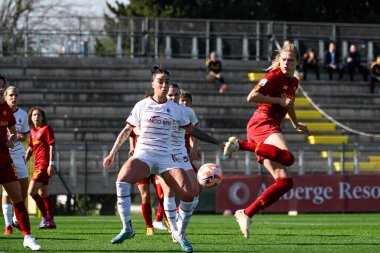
41,176
152,178
7,172
258,130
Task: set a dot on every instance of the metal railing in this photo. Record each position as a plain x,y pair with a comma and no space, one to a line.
81,164
179,38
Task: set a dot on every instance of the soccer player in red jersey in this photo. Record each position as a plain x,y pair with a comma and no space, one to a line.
8,178
17,153
275,95
41,144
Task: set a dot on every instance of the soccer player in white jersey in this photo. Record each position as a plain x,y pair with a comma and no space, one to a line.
154,154
18,156
182,155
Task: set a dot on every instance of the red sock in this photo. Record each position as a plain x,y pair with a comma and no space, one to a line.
40,204
248,146
22,217
270,195
48,206
147,214
160,196
160,212
274,153
268,151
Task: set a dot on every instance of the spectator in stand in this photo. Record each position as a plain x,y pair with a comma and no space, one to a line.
214,72
330,61
375,74
310,61
352,62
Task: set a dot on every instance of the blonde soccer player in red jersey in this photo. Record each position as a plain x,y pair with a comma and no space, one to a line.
41,145
275,95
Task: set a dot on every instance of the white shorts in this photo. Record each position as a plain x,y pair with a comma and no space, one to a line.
184,160
158,164
20,164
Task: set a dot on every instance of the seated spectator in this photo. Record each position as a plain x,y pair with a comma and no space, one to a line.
375,74
352,62
310,61
214,72
331,61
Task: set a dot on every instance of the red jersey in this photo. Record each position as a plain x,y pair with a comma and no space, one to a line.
275,84
40,140
7,119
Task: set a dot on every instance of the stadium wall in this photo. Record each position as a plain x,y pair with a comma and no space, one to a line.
312,193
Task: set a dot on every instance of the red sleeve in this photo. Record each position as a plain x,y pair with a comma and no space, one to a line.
30,142
11,119
264,85
49,135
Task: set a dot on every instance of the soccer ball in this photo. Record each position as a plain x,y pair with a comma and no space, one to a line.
209,175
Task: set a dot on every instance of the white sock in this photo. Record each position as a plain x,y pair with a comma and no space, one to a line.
124,204
184,215
15,219
28,237
195,202
170,208
8,212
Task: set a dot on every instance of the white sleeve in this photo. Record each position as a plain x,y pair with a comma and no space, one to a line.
184,119
193,118
25,125
135,115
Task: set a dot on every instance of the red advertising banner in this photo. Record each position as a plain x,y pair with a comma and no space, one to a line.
314,193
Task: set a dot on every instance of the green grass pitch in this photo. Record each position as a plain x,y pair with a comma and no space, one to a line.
212,233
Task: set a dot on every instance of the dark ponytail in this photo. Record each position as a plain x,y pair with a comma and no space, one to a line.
157,70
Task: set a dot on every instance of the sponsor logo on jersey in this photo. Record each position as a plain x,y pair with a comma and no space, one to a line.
263,82
158,120
36,142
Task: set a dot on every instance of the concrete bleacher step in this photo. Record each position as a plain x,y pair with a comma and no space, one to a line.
363,166
349,110
307,114
335,87
325,139
320,126
255,76
191,84
301,101
374,158
337,154
362,98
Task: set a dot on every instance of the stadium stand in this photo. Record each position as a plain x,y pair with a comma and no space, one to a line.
88,100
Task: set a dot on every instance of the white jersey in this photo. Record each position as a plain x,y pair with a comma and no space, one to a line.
156,123
178,135
22,127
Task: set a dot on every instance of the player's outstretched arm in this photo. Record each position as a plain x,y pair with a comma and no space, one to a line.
123,136
199,134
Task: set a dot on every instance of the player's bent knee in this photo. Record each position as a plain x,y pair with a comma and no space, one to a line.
287,158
